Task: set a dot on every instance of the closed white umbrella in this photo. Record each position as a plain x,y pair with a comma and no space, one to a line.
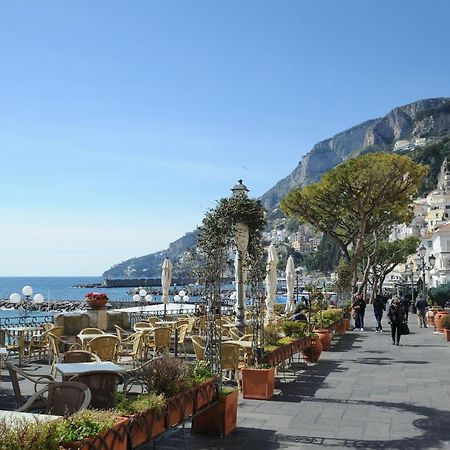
290,281
166,278
271,281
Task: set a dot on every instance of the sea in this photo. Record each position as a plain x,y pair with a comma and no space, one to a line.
62,288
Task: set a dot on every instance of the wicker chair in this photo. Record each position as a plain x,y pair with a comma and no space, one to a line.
199,349
9,341
182,329
142,326
38,380
230,360
160,342
103,387
91,331
152,320
79,356
121,333
64,398
47,326
105,347
132,347
191,323
39,344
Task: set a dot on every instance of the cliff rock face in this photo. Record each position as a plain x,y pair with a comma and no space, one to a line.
425,119
422,119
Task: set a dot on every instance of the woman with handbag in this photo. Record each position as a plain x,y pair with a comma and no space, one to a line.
395,315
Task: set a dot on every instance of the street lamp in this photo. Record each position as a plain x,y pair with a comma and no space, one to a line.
422,267
241,236
181,297
27,292
141,297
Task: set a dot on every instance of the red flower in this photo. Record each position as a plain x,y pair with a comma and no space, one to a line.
96,296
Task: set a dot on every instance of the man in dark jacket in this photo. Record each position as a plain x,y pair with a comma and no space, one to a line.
421,306
378,308
359,307
395,316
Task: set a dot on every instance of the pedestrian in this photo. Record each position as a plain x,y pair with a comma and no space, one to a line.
359,308
404,305
395,316
421,306
378,308
299,315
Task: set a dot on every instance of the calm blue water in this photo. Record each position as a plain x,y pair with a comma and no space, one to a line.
57,288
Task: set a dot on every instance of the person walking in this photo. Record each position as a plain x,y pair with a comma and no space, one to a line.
378,308
395,316
404,304
359,307
421,306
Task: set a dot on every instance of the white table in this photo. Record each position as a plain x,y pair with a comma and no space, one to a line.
13,417
86,338
69,369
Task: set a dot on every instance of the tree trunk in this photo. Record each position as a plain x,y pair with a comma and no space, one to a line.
358,251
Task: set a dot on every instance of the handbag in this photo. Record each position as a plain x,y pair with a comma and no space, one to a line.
404,329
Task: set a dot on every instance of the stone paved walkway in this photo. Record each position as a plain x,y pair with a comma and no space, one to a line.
365,393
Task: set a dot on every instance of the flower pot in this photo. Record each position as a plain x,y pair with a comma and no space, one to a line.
116,438
220,419
346,324
438,320
179,407
325,338
258,383
97,303
144,426
204,393
447,334
312,353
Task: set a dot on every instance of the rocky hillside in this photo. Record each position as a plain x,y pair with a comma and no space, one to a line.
426,119
405,127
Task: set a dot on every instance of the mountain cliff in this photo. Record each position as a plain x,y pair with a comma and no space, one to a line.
404,129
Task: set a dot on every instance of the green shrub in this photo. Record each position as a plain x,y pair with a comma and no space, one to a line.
293,328
84,424
446,322
19,434
200,372
271,336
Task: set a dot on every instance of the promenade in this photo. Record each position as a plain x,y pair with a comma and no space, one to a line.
364,393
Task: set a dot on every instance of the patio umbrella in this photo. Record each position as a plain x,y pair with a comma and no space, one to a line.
166,277
244,281
290,280
271,281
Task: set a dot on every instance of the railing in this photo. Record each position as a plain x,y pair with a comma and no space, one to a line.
25,321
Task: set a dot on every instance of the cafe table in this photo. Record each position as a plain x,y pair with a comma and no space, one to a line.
21,333
166,323
69,369
86,338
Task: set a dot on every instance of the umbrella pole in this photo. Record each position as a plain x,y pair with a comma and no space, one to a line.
165,311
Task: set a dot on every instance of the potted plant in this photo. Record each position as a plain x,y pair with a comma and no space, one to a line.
258,382
220,419
312,353
92,429
96,300
446,327
438,317
147,416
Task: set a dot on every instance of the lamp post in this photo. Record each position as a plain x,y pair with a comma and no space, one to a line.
241,237
27,292
181,297
410,277
422,267
142,297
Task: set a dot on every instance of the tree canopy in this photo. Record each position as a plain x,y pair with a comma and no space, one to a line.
364,195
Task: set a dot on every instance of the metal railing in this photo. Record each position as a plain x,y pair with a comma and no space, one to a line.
25,321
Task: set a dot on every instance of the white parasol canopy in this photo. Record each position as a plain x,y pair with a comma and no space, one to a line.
290,281
271,281
166,278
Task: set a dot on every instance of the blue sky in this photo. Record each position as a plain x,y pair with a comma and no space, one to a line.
121,122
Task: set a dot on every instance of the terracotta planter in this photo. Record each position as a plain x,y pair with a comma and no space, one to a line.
430,315
258,383
340,327
446,334
179,407
312,353
325,338
144,426
220,419
438,320
96,303
116,438
204,393
346,324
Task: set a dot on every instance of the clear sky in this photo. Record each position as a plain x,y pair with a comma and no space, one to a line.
121,122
